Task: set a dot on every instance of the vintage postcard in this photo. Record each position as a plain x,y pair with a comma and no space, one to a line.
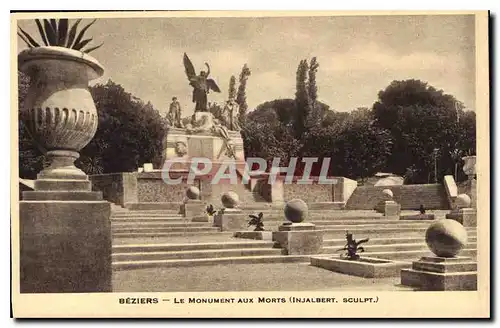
250,164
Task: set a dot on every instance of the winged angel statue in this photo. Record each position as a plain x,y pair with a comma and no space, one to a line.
201,84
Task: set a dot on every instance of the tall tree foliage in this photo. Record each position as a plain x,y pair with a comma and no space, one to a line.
421,119
130,132
232,87
302,100
31,159
241,97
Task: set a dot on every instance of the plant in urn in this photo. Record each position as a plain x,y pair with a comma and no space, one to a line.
59,111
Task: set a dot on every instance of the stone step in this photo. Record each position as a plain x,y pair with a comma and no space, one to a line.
161,224
385,241
141,214
141,229
161,234
380,230
172,206
379,221
195,254
151,220
133,248
390,247
374,225
126,265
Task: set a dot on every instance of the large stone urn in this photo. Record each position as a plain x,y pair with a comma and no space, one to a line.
65,229
469,166
59,111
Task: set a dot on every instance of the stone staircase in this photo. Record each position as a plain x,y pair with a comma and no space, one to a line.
163,238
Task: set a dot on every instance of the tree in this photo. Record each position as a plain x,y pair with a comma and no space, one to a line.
420,119
241,98
311,85
302,101
232,87
31,159
130,132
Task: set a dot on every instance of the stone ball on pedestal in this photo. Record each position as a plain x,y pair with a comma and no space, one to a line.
230,199
296,210
446,238
462,201
193,192
388,194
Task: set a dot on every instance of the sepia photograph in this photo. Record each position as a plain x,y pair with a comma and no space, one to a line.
189,164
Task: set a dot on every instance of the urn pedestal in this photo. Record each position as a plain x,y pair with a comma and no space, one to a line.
65,231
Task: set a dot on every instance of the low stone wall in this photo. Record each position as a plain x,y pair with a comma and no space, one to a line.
432,196
309,193
118,188
338,190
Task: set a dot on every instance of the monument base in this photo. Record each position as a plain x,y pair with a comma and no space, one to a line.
65,246
441,274
299,238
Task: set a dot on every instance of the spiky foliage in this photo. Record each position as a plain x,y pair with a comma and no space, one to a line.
257,221
56,32
352,247
210,210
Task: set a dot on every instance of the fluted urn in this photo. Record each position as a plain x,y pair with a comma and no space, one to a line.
59,110
469,166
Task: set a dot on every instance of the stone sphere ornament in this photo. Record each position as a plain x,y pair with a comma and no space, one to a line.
462,201
388,193
193,192
296,210
230,199
446,238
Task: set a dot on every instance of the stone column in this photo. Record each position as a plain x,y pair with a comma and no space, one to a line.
65,231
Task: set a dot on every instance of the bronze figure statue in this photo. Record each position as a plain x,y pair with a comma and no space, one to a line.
201,84
174,114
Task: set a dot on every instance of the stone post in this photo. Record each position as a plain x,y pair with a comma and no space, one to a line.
65,230
230,218
193,207
444,271
462,211
388,206
296,237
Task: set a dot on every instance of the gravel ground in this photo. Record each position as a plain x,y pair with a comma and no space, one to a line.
246,277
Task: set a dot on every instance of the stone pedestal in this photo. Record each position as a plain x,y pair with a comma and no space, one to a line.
193,208
65,246
180,143
389,208
299,238
232,219
466,216
434,273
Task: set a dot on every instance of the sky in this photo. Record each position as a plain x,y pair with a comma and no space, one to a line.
358,55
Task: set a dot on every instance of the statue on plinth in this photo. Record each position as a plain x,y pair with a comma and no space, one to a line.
201,84
231,110
174,114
